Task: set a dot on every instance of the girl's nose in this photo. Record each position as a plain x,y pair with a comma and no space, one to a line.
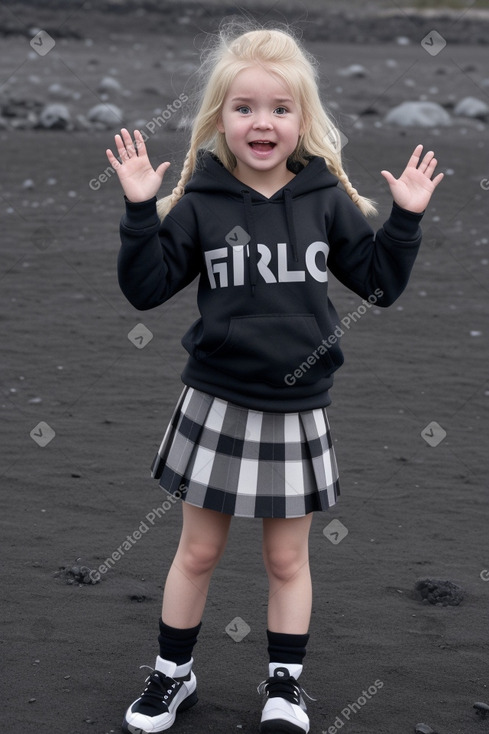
263,123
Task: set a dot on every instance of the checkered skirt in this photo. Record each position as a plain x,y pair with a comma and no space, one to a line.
247,463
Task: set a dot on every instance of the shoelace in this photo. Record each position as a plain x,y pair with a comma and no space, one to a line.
282,688
158,686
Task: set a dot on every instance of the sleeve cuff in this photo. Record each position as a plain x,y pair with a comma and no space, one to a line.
403,224
140,214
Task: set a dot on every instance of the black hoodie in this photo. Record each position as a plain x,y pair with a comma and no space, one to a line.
268,336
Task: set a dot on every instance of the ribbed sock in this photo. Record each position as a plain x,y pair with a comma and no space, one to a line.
177,644
285,648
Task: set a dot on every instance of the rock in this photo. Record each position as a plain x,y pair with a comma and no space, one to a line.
76,574
481,709
353,71
29,122
55,116
472,107
423,114
57,91
109,85
424,729
439,591
106,115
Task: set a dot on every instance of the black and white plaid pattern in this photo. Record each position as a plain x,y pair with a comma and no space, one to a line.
247,463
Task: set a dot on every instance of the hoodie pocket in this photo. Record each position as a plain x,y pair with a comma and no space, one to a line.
277,349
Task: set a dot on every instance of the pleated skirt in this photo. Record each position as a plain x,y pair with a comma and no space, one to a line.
249,463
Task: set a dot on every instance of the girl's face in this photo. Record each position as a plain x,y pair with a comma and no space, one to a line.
260,121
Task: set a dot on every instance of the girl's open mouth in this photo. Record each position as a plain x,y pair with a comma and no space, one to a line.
263,146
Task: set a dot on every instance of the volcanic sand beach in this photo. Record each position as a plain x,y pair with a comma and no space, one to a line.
84,407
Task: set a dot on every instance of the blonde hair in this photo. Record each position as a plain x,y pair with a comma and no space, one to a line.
279,52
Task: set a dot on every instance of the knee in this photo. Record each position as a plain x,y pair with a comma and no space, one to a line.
200,558
284,563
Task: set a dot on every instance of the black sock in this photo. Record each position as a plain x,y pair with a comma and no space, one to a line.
285,648
177,644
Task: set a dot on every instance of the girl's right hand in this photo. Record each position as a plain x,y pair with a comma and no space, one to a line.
136,174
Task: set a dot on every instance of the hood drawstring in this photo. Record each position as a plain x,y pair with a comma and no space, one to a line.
289,215
250,230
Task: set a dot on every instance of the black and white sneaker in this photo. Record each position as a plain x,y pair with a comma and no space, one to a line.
169,690
285,709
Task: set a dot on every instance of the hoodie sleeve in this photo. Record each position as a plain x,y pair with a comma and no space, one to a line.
366,262
157,258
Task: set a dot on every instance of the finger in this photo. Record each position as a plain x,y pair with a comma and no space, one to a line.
426,162
139,143
121,148
388,177
430,168
128,142
416,155
438,179
112,159
162,169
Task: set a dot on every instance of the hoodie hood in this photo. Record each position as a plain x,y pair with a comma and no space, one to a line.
212,177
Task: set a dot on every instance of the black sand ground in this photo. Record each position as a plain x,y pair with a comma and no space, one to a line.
412,510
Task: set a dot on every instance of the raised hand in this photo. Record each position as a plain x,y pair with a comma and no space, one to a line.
137,176
413,189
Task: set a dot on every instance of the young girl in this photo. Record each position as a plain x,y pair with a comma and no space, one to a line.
259,217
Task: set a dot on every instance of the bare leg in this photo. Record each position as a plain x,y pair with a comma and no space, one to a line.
202,543
286,558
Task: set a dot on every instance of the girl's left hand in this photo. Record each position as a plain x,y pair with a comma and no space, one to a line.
413,189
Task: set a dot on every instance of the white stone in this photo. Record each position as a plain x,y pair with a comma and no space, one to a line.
423,114
472,107
354,70
55,116
108,115
109,85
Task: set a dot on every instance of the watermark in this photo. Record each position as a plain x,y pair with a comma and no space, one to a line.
433,43
353,708
140,336
237,237
335,531
42,43
238,629
434,237
42,237
484,574
433,434
150,127
351,318
42,434
136,535
484,184
336,138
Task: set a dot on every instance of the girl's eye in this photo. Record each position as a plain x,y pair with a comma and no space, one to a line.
243,107
281,110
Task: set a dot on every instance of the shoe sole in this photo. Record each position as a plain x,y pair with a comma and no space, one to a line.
279,726
186,704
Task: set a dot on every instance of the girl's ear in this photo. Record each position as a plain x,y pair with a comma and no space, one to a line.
219,124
